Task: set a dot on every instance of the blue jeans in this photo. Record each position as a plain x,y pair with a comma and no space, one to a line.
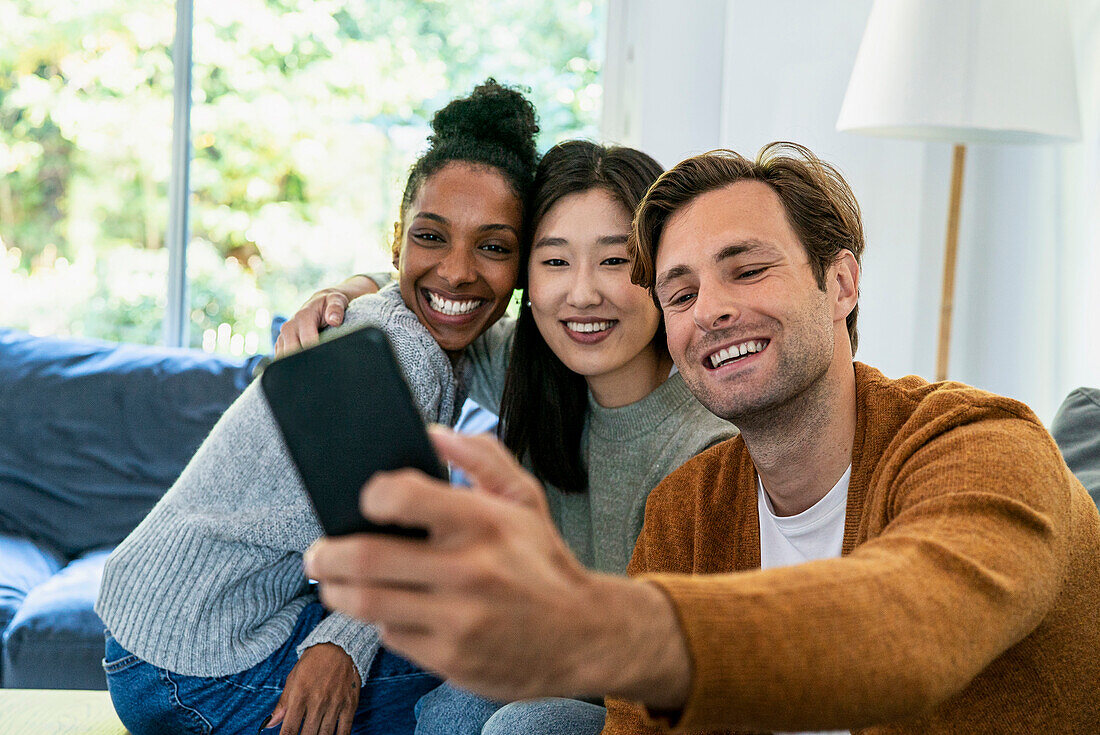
152,700
449,710
553,716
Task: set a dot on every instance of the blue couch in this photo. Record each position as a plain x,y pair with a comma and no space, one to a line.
1076,428
91,435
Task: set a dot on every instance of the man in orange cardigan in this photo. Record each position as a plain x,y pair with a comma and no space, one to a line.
870,555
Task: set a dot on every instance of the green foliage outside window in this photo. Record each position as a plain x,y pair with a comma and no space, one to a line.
306,115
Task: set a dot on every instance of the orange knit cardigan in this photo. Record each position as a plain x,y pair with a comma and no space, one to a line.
966,600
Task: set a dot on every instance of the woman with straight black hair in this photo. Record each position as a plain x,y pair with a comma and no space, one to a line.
544,407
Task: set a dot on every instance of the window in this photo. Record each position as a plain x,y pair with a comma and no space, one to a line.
306,115
85,130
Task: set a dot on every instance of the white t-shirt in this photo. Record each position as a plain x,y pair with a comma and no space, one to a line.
815,533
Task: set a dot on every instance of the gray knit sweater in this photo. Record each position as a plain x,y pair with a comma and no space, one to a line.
626,450
211,582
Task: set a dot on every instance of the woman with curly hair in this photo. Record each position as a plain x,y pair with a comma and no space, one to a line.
213,626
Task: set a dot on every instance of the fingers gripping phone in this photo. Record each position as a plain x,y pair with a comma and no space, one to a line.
345,412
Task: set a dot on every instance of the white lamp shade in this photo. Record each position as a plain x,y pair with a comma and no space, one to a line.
965,71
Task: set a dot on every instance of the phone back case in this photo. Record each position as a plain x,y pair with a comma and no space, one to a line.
345,413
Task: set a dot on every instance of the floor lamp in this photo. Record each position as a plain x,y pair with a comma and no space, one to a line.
963,72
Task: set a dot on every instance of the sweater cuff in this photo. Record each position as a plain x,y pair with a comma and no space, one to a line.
358,640
704,685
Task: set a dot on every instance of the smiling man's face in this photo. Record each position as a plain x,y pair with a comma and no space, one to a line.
748,326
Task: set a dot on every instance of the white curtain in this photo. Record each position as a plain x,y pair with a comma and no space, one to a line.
1027,320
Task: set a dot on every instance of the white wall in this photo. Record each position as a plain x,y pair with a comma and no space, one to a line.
1027,315
787,67
662,77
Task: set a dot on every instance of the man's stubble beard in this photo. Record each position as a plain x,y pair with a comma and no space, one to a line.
795,390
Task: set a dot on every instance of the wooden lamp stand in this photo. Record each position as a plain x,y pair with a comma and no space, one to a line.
951,249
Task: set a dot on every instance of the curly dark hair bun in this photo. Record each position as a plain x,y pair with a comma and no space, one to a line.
492,114
494,126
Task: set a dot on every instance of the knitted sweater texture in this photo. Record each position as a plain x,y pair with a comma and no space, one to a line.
211,582
628,451
966,600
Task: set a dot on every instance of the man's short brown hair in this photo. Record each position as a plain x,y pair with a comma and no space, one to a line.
819,204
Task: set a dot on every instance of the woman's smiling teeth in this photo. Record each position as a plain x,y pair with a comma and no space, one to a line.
734,352
452,308
587,327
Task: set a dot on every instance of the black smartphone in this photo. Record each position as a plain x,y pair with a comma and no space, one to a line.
345,412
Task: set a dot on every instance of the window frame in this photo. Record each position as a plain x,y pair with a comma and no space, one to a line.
176,323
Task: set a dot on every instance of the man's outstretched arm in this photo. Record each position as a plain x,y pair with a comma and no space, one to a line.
970,565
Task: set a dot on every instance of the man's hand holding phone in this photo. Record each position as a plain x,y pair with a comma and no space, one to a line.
493,599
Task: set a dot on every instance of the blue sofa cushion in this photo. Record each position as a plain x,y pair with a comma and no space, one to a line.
55,640
95,432
23,566
1076,428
